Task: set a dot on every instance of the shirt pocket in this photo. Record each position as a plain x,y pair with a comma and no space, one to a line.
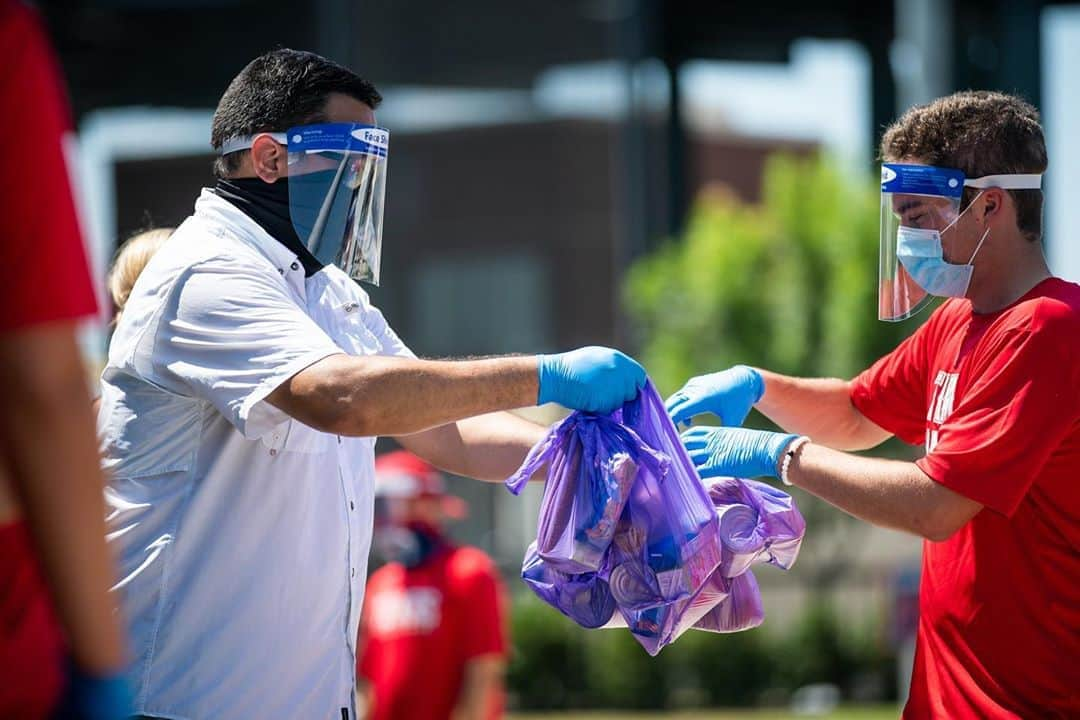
294,436
145,431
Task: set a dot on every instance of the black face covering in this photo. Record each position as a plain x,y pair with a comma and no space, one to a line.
307,198
268,205
411,544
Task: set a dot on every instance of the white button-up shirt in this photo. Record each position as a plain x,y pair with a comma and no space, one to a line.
242,535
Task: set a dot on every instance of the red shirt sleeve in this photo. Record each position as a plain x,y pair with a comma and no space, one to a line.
892,392
483,606
999,438
43,269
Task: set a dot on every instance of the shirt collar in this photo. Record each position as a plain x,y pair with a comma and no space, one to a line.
216,209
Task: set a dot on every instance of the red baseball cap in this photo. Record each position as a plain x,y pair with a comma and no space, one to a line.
402,475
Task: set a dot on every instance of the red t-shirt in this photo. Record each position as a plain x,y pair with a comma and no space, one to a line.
43,271
996,400
43,279
421,626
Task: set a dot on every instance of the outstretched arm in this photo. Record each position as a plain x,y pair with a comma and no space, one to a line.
376,395
890,493
487,447
820,408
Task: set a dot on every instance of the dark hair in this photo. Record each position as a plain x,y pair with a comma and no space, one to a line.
278,90
980,133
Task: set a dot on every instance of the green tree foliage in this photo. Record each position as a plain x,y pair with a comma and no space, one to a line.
547,668
789,284
557,665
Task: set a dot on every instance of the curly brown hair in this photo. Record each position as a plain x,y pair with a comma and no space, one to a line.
980,133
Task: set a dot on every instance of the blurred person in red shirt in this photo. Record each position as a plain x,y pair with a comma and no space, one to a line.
433,633
60,640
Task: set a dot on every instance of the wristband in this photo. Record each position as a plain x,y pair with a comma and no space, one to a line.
789,454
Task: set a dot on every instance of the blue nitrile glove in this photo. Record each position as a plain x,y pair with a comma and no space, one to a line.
728,394
595,379
735,452
93,697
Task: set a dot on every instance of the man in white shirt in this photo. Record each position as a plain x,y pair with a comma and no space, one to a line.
246,382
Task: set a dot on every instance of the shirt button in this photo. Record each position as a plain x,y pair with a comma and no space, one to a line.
354,572
273,451
295,266
281,271
352,505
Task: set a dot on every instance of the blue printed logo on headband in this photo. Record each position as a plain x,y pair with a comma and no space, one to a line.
921,180
340,137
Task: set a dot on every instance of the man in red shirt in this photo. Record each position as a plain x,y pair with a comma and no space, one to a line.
54,567
990,384
433,633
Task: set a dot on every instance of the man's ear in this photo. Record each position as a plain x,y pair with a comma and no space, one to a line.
269,158
993,203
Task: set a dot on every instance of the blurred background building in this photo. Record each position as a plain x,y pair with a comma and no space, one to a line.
540,149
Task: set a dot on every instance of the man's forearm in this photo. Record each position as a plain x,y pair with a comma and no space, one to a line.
889,493
482,682
820,408
365,700
487,447
47,438
373,395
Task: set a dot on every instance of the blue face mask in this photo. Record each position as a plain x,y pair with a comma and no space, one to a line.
921,254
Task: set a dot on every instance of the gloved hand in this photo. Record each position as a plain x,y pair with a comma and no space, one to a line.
728,394
595,379
93,697
736,452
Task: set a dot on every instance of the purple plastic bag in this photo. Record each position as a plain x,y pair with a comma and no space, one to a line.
593,463
656,627
630,537
758,523
667,543
602,469
722,605
584,598
740,610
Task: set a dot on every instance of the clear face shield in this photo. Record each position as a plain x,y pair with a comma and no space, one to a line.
337,191
918,204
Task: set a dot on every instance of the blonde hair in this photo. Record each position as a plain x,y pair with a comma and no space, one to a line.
130,261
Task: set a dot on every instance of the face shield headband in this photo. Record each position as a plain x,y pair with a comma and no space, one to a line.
337,191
